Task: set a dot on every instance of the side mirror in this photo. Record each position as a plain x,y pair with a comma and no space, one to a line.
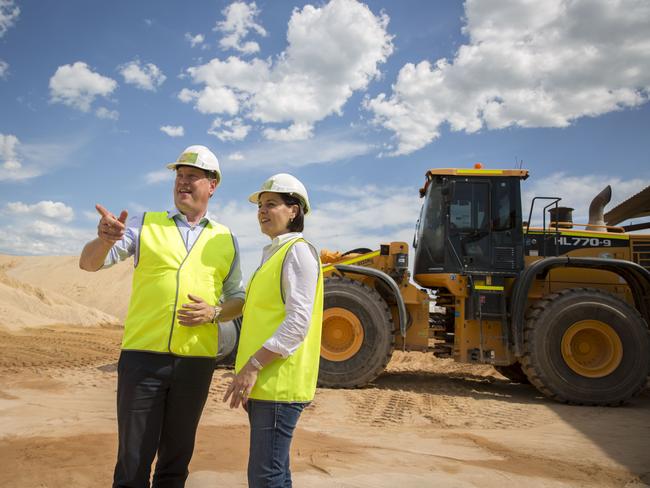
415,236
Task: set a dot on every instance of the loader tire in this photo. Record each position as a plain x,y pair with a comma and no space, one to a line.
226,358
587,347
514,372
357,337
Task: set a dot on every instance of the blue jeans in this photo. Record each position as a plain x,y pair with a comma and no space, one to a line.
272,426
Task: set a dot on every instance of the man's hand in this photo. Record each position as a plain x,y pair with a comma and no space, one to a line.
111,229
196,313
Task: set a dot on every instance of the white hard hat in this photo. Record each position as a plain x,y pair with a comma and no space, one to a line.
284,183
199,157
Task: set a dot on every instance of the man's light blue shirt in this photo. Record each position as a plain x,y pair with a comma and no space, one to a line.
129,246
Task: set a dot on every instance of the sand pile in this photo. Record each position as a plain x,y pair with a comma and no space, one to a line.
41,291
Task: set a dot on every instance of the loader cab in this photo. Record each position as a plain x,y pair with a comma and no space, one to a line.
470,222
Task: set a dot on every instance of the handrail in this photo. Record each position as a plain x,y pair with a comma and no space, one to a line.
554,201
608,228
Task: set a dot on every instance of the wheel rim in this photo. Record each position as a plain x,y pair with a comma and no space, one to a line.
592,348
342,334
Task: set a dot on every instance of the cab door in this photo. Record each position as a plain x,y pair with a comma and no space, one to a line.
469,224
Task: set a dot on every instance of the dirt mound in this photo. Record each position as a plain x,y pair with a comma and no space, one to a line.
26,305
106,290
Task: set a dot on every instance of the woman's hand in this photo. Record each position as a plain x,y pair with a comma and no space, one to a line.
196,313
241,386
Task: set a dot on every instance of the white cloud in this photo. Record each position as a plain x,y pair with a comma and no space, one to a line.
144,76
159,176
77,86
229,130
240,20
307,82
8,152
577,192
324,148
46,208
366,216
9,13
43,237
527,64
295,132
173,130
196,40
20,161
212,100
4,68
40,228
236,156
104,113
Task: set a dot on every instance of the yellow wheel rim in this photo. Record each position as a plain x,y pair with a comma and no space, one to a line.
592,348
342,334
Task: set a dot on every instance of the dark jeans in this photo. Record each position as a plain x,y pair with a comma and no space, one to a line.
160,398
272,426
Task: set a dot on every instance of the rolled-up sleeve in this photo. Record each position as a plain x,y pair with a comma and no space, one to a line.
233,286
299,279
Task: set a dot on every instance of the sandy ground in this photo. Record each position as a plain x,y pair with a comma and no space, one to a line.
426,422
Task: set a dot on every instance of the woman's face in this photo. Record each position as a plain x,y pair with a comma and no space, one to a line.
274,215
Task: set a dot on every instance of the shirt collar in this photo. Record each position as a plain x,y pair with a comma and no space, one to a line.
282,238
278,241
174,212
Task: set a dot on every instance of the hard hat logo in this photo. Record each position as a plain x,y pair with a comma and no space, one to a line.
199,157
188,158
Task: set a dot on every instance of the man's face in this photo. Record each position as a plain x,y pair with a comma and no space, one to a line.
192,189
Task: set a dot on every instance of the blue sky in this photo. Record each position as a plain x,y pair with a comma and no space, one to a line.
356,99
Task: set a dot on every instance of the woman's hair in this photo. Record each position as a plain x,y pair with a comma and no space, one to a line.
298,222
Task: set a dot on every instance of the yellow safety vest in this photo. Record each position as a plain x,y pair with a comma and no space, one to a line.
166,272
291,379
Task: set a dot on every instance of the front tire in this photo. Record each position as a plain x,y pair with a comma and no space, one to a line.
586,347
357,338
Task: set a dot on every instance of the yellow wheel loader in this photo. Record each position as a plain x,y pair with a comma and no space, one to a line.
562,305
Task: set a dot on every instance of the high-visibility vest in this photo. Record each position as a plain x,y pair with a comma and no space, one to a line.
165,273
291,379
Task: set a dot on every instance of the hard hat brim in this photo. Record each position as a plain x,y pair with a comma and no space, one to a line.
255,196
176,164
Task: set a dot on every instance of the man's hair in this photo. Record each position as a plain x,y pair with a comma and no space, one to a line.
298,222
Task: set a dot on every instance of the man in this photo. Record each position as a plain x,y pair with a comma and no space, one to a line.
184,262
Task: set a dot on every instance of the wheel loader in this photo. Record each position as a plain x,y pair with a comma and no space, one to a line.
562,305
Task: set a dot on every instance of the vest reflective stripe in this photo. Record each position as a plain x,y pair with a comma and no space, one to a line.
165,274
291,379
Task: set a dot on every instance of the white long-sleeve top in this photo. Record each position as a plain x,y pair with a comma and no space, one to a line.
299,279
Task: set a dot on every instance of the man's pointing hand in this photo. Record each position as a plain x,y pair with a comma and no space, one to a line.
111,229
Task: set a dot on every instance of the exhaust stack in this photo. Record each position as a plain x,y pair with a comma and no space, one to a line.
562,217
597,209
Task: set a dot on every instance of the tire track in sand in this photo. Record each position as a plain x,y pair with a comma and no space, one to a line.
62,346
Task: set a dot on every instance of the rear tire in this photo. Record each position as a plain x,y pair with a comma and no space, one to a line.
514,372
227,357
586,347
357,338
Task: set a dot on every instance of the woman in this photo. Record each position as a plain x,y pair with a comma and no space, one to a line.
279,346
